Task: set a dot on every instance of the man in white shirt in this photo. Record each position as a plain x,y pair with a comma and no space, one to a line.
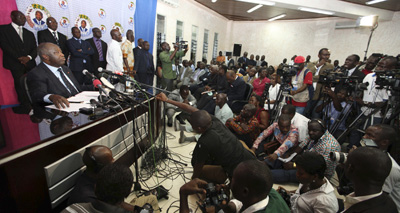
367,168
298,120
114,52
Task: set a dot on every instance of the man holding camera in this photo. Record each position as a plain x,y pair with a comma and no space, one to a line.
167,57
317,68
251,186
301,84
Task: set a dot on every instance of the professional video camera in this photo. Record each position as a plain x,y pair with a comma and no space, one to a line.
181,44
286,72
333,79
388,78
213,197
266,90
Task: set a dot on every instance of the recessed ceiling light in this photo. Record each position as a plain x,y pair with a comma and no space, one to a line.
374,1
263,2
254,8
277,17
213,1
312,10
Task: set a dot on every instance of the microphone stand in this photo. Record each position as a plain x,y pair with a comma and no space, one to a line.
164,116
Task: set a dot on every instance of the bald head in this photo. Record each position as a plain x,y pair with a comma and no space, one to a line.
96,157
200,121
369,166
230,76
252,181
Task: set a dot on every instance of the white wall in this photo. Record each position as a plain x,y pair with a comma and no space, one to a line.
283,39
193,13
279,39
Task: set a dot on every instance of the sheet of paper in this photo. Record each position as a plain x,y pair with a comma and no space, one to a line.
285,160
84,99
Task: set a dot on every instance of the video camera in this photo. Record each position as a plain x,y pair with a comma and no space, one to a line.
333,79
213,197
181,44
388,78
286,72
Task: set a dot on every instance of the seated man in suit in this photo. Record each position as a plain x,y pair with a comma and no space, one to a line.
236,91
51,81
51,35
100,50
185,73
95,159
80,55
367,168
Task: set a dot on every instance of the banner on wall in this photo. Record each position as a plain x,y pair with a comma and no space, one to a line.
103,14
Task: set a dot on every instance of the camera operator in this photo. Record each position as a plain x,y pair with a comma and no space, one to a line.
372,97
334,109
371,63
317,68
301,85
251,186
167,57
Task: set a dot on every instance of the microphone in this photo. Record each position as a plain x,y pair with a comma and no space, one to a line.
106,83
95,103
100,69
88,74
97,84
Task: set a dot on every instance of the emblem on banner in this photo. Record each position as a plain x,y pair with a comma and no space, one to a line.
63,4
130,21
131,5
64,22
84,24
103,29
118,26
102,13
36,16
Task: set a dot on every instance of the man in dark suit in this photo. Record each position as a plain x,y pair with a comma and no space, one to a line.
237,88
80,56
100,50
144,65
53,36
367,168
137,48
38,18
51,81
231,62
243,60
19,53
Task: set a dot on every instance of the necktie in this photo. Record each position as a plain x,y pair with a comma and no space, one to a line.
55,37
71,88
20,33
98,47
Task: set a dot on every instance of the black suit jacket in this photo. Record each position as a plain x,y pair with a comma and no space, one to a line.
76,59
231,63
144,62
13,48
382,203
135,52
47,36
236,90
41,81
95,56
243,61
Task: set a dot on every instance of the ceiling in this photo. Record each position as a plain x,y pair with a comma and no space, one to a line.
237,11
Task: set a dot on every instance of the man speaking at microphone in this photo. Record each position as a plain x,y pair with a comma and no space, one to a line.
51,81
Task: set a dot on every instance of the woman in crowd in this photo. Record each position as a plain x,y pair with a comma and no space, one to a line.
315,193
261,114
259,83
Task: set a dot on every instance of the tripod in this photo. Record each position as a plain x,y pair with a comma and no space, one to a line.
282,96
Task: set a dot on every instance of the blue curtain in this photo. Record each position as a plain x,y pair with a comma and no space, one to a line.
145,19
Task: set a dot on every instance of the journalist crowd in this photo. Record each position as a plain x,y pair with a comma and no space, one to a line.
330,128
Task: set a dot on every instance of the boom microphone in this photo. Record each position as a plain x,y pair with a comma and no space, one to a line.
100,69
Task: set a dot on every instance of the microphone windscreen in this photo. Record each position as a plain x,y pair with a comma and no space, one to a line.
100,69
96,82
84,71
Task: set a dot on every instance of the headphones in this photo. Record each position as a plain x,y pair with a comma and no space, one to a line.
320,122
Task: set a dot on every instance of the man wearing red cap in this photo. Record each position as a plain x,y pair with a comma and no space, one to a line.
301,85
